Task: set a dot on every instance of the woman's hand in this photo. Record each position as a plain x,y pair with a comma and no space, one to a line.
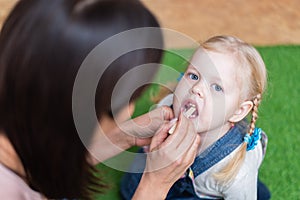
141,129
169,158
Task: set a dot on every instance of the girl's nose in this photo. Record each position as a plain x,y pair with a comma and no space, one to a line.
198,89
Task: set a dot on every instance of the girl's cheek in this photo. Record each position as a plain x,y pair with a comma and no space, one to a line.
183,86
176,105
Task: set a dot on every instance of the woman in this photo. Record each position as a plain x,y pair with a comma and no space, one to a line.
42,45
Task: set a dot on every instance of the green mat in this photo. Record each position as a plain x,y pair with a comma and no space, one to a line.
280,170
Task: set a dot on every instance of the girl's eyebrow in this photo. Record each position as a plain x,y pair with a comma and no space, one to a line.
216,79
194,68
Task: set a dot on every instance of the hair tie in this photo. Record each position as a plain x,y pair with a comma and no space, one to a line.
253,139
180,76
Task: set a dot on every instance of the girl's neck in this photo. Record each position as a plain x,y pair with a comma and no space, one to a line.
211,136
8,156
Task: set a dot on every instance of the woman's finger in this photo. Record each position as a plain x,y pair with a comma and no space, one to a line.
167,113
188,138
159,137
179,131
192,152
182,137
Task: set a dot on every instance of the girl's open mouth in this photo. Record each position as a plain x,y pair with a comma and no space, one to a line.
190,110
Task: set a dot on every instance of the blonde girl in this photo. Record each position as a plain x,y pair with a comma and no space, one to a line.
224,83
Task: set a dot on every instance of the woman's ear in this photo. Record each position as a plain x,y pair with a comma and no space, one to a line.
242,112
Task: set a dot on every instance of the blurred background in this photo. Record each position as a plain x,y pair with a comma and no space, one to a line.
273,27
258,22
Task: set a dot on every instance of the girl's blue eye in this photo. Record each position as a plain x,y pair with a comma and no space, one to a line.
193,76
217,88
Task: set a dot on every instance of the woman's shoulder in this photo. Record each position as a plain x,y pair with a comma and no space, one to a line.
13,187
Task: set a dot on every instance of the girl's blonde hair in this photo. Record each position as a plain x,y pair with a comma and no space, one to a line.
253,83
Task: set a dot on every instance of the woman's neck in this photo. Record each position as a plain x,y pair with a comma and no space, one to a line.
8,156
211,136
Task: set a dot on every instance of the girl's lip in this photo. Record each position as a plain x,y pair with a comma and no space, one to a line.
188,102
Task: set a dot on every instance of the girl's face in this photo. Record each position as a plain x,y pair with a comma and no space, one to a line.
210,83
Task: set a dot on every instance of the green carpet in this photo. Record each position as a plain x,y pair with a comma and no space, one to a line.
280,170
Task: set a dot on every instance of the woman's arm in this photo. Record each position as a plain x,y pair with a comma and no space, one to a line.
136,132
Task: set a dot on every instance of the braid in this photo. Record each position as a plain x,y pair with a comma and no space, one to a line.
229,171
256,103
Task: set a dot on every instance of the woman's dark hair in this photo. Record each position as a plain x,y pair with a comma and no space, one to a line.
42,45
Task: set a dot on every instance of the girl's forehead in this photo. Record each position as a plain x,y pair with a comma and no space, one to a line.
212,63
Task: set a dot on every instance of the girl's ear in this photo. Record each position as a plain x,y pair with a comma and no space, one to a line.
242,112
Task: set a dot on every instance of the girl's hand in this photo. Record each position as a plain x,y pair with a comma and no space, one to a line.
169,158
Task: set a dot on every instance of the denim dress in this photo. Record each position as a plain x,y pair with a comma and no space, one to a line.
184,189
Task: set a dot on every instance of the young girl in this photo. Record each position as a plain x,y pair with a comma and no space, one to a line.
224,83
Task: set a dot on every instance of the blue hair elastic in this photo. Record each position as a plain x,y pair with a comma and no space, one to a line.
180,76
253,139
